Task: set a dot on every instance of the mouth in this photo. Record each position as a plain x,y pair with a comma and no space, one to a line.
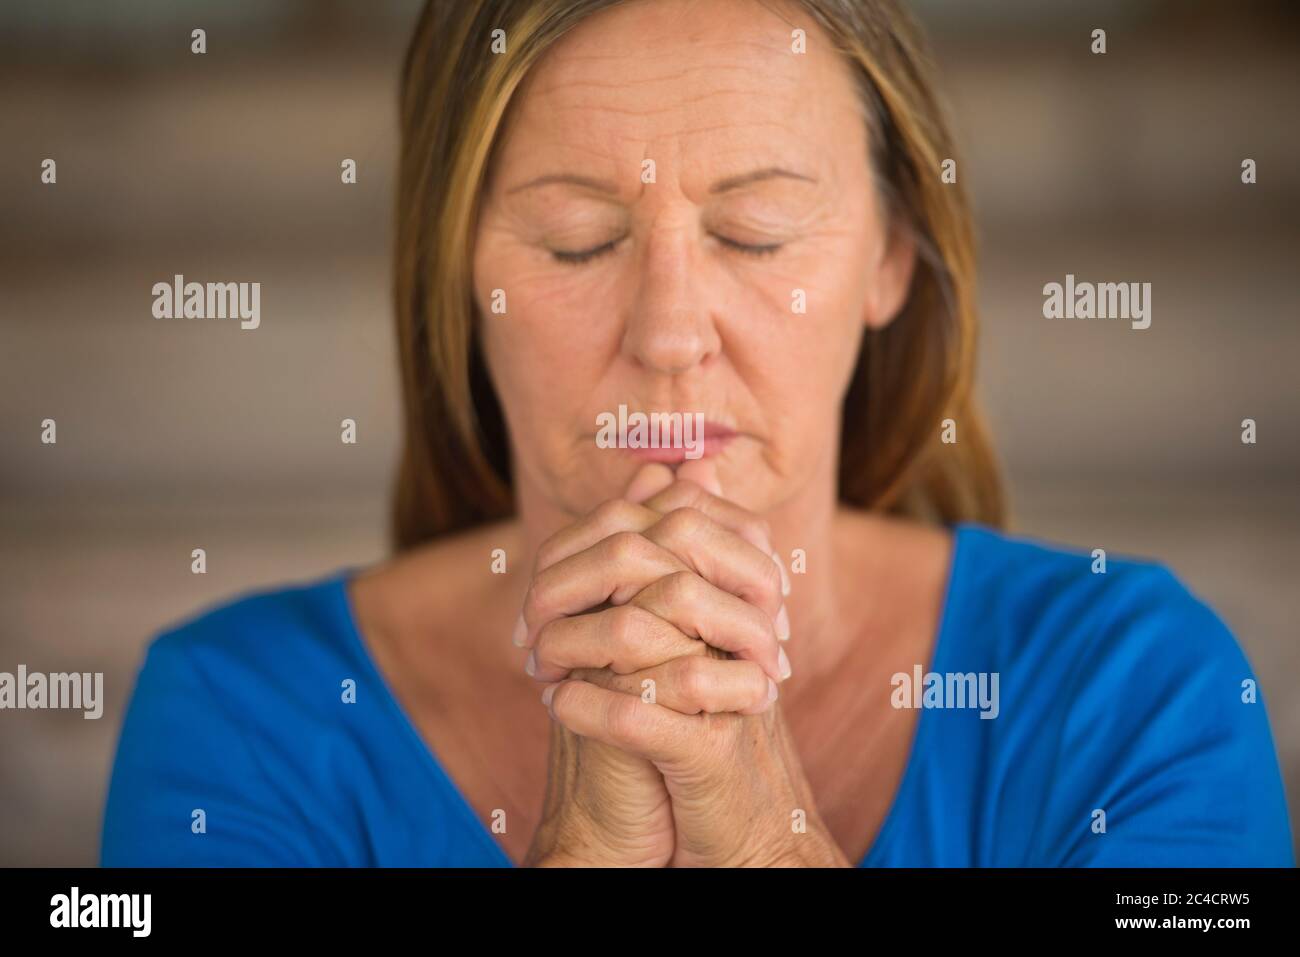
708,445
667,438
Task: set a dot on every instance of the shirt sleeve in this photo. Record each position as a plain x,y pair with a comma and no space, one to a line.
187,790
1167,759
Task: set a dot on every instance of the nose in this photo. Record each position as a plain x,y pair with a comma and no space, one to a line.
669,328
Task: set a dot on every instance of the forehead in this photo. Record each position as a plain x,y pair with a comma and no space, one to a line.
714,86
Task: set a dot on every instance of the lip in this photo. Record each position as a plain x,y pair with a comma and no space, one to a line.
714,439
709,446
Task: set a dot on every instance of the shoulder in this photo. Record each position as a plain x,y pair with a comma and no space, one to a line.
256,669
256,650
268,633
1096,632
1115,609
1126,700
230,715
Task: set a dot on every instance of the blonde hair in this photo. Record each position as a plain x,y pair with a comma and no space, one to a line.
916,371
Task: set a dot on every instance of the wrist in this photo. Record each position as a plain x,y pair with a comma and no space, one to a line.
814,847
554,859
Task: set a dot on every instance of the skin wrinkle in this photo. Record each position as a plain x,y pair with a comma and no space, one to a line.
695,100
713,330
672,319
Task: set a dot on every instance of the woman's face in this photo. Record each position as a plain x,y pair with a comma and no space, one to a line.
682,294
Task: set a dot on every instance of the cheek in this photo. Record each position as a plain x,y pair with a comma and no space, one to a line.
550,303
804,315
549,348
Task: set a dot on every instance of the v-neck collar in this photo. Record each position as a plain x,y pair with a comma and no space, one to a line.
338,584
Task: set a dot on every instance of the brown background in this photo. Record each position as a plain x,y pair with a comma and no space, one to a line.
175,435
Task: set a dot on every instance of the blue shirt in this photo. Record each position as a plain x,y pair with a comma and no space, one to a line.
1124,735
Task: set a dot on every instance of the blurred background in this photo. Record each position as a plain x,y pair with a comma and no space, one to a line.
176,435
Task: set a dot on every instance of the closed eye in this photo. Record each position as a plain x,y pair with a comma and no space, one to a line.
766,249
586,255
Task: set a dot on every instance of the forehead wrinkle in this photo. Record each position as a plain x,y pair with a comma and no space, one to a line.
568,57
574,108
563,88
775,114
562,55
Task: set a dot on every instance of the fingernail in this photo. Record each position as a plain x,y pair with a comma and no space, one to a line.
783,663
521,633
782,624
547,694
530,666
771,690
785,576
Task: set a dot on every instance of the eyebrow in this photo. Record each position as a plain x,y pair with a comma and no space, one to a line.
600,185
755,176
721,186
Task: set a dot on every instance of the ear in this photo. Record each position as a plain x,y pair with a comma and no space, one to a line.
892,277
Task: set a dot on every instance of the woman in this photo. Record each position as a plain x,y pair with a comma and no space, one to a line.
728,218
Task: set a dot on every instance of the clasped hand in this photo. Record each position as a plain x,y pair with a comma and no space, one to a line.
656,623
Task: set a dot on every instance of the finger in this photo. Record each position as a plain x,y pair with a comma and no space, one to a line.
703,472
650,479
680,614
624,639
685,493
621,515
695,685
621,565
724,558
606,519
613,570
622,720
699,609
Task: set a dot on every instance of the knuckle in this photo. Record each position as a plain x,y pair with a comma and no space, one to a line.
693,676
547,553
612,513
685,519
681,588
624,546
625,625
